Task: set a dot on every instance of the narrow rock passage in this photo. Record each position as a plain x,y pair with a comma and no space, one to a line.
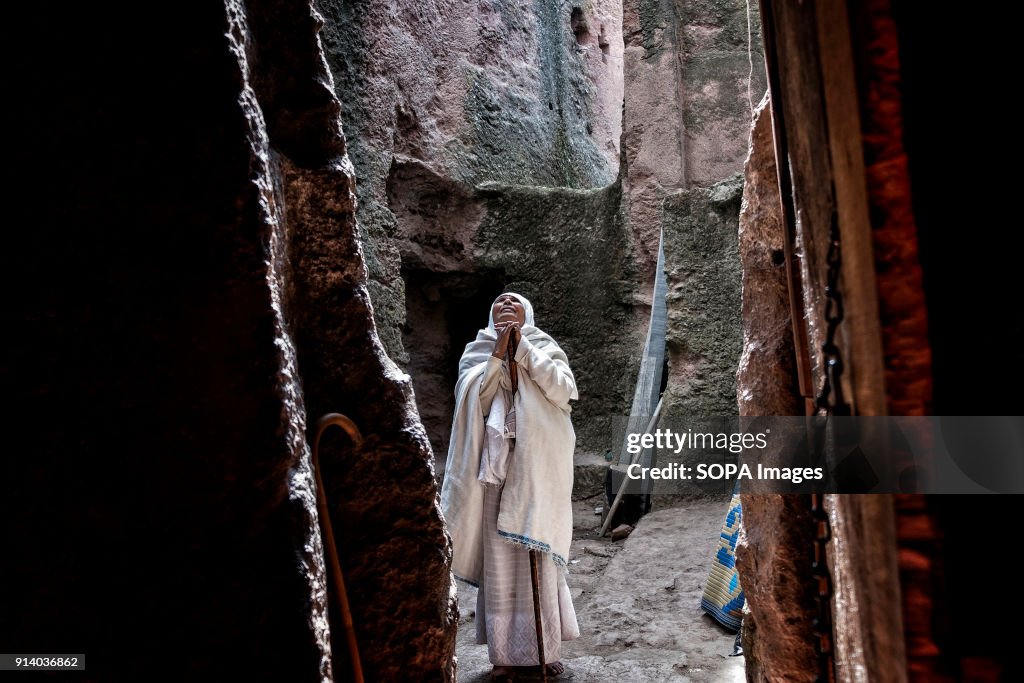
638,602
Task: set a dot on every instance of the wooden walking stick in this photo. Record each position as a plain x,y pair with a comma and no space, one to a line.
341,595
535,580
513,372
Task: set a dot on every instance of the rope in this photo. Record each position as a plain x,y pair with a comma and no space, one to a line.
750,60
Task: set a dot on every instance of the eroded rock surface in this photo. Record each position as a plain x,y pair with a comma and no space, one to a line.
766,366
703,337
692,73
202,292
773,552
513,92
456,110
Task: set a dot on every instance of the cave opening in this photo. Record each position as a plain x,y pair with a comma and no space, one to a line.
444,311
579,26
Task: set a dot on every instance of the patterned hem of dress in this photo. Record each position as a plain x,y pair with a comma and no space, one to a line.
530,544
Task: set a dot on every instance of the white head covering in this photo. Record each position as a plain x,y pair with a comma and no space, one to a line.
522,299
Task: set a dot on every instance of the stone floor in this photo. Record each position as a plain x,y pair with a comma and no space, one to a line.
637,600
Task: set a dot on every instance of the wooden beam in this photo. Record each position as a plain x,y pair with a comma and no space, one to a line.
815,90
862,333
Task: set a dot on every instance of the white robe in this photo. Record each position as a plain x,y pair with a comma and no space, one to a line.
505,618
498,504
535,510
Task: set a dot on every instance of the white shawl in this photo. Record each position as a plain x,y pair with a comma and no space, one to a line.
536,503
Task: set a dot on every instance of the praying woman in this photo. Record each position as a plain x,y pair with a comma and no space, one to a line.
508,487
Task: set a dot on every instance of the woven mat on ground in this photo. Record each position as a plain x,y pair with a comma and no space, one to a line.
723,596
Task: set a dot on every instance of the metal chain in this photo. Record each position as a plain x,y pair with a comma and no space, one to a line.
822,622
830,402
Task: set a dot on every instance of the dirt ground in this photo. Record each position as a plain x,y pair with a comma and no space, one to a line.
637,601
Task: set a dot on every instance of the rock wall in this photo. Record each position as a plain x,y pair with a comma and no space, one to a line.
703,336
765,379
693,71
652,125
382,495
568,251
192,284
504,90
704,333
773,558
772,554
722,78
443,98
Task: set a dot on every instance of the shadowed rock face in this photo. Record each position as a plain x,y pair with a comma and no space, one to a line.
567,251
394,551
195,285
772,555
703,334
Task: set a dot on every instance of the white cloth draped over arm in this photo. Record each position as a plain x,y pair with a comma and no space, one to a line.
489,385
493,405
553,377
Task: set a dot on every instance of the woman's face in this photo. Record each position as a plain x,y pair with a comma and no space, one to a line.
508,309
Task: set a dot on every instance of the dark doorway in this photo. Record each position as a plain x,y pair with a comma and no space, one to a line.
444,311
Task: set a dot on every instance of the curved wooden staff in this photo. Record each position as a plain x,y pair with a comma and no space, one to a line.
328,533
513,372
